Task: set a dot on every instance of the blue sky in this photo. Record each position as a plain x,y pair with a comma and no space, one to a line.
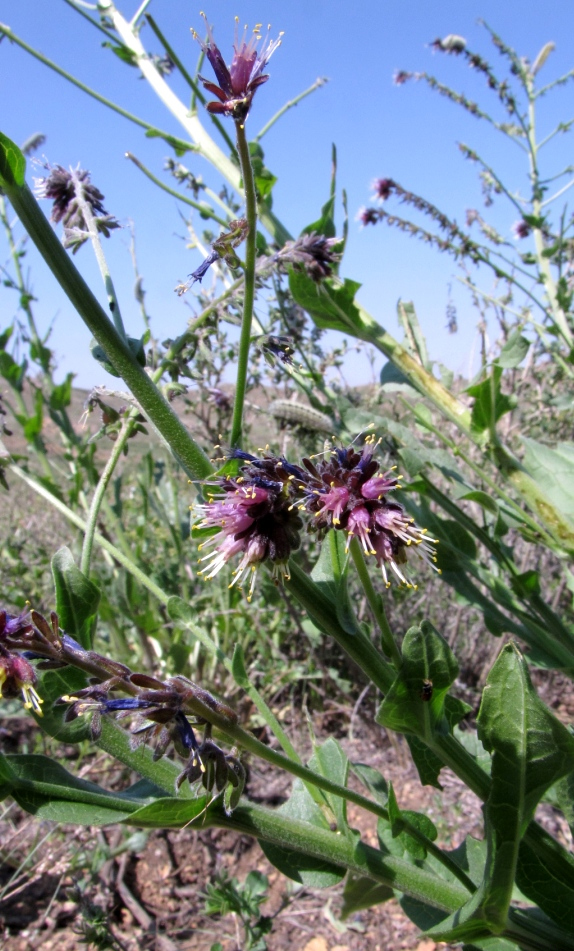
407,133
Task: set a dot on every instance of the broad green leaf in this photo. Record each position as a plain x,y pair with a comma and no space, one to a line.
77,598
305,869
12,164
361,892
374,781
330,761
553,471
330,303
61,395
530,751
514,350
483,499
427,662
264,179
565,798
397,821
427,763
548,883
46,789
169,813
490,403
393,381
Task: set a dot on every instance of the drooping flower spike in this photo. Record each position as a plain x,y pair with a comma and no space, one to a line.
239,81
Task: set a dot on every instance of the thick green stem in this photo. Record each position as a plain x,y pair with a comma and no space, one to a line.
249,287
359,858
157,409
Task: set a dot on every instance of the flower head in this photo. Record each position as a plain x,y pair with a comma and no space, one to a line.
256,517
345,490
313,253
383,187
239,81
521,229
17,676
72,193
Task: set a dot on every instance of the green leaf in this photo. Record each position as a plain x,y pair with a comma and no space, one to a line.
12,164
305,869
394,381
330,761
397,819
330,303
61,395
264,179
565,798
513,351
414,337
427,662
169,813
427,763
553,471
330,575
483,499
372,780
531,750
490,403
46,789
361,893
99,354
238,668
77,598
552,888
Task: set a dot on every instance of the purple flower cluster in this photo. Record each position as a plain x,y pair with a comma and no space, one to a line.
259,513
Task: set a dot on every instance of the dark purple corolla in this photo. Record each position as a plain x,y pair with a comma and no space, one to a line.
239,81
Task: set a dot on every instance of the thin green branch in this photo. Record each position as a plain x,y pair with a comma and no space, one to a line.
171,139
205,210
249,288
320,81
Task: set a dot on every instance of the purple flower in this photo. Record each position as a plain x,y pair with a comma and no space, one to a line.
345,491
521,229
239,81
368,216
17,676
312,252
256,518
383,187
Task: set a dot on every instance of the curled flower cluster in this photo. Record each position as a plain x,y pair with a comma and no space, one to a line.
259,514
160,708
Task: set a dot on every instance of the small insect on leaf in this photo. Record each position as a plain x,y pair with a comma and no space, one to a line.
426,692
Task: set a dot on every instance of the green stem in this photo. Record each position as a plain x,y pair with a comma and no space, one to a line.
249,288
157,409
99,493
359,858
376,604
